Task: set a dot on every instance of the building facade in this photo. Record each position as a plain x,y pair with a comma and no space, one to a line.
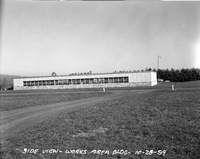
125,79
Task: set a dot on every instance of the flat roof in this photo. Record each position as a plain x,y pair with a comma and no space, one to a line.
83,74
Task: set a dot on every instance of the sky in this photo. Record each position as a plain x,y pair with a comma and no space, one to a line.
41,37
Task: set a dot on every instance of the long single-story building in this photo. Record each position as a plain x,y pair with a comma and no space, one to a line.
124,79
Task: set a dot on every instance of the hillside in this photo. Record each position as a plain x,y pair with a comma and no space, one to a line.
6,81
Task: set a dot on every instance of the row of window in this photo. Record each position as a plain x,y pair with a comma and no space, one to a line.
77,81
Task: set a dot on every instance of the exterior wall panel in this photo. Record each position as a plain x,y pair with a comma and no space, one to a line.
18,82
153,78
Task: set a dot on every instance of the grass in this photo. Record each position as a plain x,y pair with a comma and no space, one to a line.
22,100
179,85
77,90
160,120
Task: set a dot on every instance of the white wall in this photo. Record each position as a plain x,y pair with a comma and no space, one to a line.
18,82
141,77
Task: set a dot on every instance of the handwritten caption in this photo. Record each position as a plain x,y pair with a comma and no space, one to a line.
94,151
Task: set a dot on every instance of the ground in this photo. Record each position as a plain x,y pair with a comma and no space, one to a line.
139,123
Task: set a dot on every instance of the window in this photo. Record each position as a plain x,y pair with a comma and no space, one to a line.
87,81
91,80
121,79
111,80
116,80
126,80
56,82
106,80
70,81
60,82
48,82
44,83
73,81
95,80
32,83
52,82
25,83
77,81
64,82
40,83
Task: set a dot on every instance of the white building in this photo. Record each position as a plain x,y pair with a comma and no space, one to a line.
125,79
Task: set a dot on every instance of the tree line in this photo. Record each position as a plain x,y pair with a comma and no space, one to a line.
181,75
173,75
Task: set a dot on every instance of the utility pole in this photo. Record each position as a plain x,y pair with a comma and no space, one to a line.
158,62
158,57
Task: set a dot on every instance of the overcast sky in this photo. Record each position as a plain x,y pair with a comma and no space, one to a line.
38,38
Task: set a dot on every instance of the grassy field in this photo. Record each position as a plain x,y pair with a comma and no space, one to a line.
17,100
162,120
179,85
